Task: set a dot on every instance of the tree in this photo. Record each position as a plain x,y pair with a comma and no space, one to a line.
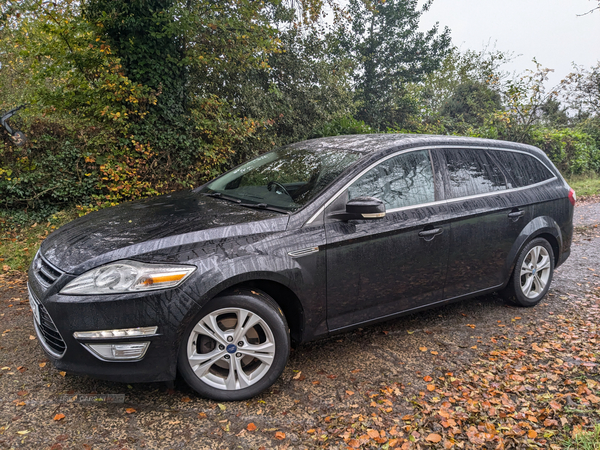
142,34
389,51
305,85
471,102
581,90
554,114
482,67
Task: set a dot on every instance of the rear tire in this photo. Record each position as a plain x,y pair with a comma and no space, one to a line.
532,274
236,346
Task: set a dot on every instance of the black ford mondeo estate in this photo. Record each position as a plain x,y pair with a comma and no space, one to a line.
307,240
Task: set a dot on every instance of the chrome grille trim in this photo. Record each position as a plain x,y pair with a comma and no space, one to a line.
45,272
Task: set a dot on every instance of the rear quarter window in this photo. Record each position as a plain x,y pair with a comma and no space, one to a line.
521,169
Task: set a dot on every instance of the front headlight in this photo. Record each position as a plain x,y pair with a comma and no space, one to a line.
128,276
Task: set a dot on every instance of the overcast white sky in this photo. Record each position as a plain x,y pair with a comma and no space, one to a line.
548,30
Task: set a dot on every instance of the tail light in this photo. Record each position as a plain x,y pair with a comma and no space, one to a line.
572,197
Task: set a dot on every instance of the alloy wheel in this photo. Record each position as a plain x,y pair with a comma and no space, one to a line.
231,348
535,272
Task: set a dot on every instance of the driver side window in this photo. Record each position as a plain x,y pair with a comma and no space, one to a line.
404,180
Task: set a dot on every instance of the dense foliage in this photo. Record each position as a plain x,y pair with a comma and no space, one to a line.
130,99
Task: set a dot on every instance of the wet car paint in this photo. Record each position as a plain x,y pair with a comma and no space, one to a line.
320,291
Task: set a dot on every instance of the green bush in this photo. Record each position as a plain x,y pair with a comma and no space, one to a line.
341,126
574,152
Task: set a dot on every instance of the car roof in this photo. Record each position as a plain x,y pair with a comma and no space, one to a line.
372,143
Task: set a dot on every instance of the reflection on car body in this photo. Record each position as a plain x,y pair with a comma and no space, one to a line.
310,239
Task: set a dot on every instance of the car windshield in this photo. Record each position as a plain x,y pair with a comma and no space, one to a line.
285,179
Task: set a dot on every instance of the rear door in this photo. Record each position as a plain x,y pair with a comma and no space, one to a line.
377,268
488,214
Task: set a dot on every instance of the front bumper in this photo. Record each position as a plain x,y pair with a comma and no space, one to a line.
165,310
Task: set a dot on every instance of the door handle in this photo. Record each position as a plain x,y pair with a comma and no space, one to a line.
516,215
428,235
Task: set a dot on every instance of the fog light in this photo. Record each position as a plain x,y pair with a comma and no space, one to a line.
125,332
118,352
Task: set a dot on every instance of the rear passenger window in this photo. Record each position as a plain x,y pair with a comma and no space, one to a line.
472,172
521,169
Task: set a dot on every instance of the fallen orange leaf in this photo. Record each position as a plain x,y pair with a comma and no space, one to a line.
373,434
251,427
186,400
59,417
423,349
130,410
434,437
532,434
280,435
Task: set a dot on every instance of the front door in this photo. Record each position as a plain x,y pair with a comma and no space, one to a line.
379,267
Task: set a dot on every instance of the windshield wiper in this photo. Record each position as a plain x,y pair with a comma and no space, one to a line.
224,197
265,206
248,205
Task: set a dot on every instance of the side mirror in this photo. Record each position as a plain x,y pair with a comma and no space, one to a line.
366,208
361,208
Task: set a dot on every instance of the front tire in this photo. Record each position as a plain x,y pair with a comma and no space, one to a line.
236,347
532,274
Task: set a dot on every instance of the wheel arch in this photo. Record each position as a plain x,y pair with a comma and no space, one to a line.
286,299
270,283
542,227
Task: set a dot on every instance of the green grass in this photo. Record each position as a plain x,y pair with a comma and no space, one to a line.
585,185
589,440
19,243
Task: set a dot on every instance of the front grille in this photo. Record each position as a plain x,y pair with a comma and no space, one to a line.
48,333
45,272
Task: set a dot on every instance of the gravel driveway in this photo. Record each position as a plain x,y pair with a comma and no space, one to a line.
587,214
335,377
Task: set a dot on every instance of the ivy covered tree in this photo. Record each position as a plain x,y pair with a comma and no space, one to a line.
143,35
389,51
